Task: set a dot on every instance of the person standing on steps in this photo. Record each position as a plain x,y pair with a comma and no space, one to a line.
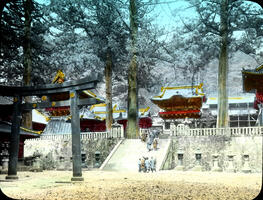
143,164
153,164
155,142
147,164
149,144
139,164
143,137
152,136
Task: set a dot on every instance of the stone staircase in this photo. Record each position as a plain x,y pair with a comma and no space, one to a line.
127,154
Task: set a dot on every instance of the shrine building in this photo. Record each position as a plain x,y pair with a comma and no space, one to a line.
253,83
120,115
92,119
6,107
241,110
180,102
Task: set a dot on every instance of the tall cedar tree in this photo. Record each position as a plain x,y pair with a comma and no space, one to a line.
27,116
132,128
104,27
229,23
222,117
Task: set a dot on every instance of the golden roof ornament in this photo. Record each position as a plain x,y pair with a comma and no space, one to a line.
59,78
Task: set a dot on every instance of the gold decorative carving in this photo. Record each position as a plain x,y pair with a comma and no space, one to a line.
72,95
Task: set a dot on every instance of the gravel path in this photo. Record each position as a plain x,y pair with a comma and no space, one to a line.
163,185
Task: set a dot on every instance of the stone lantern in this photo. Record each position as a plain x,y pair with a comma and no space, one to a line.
37,165
83,159
97,159
215,167
198,158
180,157
5,164
246,168
61,163
230,167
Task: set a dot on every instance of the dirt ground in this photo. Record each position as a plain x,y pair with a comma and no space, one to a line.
163,185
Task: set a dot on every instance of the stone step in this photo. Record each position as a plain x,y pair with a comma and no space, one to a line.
127,155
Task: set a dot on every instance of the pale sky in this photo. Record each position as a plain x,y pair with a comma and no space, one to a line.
168,11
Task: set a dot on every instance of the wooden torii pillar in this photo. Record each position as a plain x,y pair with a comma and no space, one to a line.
75,132
71,87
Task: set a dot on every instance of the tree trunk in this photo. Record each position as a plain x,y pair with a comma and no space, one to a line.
108,80
27,116
132,128
222,117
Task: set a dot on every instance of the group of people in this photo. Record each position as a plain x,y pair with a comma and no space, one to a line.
146,165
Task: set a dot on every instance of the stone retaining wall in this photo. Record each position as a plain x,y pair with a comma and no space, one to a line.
54,152
207,146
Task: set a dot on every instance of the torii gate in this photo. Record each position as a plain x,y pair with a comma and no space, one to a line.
71,87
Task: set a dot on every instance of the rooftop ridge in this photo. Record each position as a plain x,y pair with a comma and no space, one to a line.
196,87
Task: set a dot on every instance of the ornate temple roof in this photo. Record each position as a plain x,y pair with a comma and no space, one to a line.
89,93
5,127
65,110
233,100
184,91
257,70
237,105
58,126
60,78
180,102
99,110
236,112
39,117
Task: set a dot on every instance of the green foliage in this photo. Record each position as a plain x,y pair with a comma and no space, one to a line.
12,42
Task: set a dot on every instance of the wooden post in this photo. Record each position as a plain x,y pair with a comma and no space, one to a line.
75,132
14,139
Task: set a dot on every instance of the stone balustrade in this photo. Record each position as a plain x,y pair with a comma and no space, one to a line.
83,136
117,131
232,131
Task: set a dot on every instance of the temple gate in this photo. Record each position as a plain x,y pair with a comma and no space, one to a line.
72,89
